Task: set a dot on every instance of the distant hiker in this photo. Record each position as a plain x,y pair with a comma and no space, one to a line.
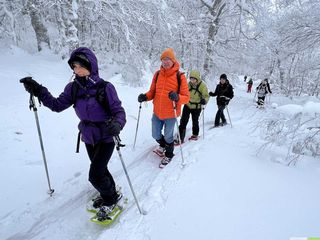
199,96
245,78
250,83
169,88
224,93
263,89
101,115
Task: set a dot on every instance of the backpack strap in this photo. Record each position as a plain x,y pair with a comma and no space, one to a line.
197,89
101,95
200,94
102,98
178,79
78,142
74,91
157,75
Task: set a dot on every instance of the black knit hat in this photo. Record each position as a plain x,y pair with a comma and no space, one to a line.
223,76
80,59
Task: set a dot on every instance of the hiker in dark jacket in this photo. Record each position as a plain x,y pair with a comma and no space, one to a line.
97,124
263,89
224,93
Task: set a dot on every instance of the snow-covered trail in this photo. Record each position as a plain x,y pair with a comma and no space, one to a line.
233,193
226,190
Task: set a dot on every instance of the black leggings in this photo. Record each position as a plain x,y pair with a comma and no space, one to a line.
195,113
220,115
99,175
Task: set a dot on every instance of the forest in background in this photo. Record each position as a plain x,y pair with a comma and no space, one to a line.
275,39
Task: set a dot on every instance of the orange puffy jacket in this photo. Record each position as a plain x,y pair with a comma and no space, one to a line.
167,81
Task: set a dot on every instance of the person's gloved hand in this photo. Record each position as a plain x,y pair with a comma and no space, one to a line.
203,102
142,98
114,128
174,96
211,94
31,86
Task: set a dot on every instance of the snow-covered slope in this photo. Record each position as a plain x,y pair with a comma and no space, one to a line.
228,190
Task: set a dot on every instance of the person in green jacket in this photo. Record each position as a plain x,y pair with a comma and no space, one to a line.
198,96
250,83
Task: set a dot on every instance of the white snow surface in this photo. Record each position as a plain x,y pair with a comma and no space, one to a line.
226,190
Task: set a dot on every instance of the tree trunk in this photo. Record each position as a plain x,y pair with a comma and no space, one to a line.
71,32
38,26
215,11
281,71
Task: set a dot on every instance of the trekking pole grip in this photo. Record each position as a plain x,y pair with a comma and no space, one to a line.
32,104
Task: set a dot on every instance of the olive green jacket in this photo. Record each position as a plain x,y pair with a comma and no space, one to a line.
196,94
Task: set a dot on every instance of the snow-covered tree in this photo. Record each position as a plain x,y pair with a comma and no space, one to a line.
277,39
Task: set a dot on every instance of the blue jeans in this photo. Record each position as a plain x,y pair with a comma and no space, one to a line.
157,125
165,141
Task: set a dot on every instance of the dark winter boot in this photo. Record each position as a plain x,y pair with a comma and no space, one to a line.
168,155
161,142
161,149
169,150
105,210
97,202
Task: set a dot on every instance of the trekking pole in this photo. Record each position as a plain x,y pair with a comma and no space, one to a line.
203,108
179,140
33,106
229,116
117,141
269,98
135,137
254,97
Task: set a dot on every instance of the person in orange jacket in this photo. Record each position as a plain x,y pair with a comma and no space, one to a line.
168,90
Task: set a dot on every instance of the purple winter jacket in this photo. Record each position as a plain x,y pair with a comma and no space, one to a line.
93,126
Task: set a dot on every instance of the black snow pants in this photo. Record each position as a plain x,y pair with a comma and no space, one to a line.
99,175
195,113
220,115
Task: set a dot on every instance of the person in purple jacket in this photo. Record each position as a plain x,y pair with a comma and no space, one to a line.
97,126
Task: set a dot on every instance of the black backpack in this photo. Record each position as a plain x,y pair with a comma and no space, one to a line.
100,96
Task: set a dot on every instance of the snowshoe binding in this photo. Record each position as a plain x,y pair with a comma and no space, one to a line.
194,138
164,162
106,215
159,151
